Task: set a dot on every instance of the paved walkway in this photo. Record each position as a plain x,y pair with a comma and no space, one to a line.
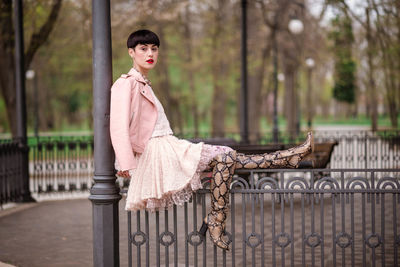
52,233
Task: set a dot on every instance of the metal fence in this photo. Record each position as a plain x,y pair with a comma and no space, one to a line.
281,218
363,149
64,164
11,184
61,164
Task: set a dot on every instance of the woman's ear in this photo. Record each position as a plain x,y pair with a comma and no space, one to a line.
131,53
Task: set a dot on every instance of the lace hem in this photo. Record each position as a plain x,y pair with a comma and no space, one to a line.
180,196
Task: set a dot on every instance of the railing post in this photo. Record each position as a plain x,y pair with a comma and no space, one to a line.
104,194
244,119
21,137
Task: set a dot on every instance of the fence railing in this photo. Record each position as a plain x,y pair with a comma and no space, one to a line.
11,184
363,149
61,164
281,218
65,163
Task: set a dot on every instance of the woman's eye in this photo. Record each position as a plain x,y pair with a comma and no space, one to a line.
154,49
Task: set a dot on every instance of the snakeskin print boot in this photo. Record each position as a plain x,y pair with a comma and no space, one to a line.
289,158
224,167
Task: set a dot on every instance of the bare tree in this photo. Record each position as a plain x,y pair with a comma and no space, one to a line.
189,64
7,69
219,68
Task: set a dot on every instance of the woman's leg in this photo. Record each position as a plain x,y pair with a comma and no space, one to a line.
289,158
224,166
221,161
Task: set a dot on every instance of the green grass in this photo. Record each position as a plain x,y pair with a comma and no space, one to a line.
383,121
232,126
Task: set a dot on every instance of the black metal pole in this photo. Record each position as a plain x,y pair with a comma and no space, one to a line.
244,126
104,194
36,104
20,101
275,131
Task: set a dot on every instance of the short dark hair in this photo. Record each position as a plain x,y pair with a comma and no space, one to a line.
142,37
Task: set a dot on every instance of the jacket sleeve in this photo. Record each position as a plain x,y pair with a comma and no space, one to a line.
121,96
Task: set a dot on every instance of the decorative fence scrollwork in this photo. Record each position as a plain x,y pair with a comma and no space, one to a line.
283,218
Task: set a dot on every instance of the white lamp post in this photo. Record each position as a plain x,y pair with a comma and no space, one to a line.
281,77
31,75
310,63
296,26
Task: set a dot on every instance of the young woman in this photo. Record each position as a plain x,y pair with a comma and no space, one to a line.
165,170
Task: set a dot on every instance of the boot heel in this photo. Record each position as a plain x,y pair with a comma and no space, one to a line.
203,229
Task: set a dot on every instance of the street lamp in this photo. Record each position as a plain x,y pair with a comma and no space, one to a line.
275,130
31,75
296,27
281,77
310,63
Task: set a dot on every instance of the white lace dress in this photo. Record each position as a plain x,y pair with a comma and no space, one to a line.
169,169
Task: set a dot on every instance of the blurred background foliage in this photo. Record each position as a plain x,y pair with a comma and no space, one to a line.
354,45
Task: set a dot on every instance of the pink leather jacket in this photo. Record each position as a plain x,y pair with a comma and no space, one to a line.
133,115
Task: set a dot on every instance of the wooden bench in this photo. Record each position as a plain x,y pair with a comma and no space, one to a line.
319,159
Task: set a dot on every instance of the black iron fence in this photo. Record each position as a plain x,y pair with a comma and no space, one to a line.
65,163
281,218
11,184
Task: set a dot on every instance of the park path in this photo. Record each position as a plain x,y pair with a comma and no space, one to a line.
52,233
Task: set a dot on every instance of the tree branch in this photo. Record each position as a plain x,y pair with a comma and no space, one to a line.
323,11
264,14
348,9
38,38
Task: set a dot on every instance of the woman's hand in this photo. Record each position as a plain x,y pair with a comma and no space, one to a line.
124,174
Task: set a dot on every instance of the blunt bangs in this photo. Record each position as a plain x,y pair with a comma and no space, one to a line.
142,37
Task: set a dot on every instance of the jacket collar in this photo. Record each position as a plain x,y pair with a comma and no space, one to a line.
137,75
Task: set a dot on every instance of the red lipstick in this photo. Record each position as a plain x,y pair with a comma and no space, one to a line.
151,61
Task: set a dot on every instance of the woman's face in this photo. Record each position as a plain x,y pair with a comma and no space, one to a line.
144,57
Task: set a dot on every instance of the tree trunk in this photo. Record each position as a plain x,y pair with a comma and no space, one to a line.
310,102
372,99
256,81
390,84
290,66
258,56
388,66
390,90
291,101
164,87
397,3
8,91
219,70
7,75
7,66
189,68
393,112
